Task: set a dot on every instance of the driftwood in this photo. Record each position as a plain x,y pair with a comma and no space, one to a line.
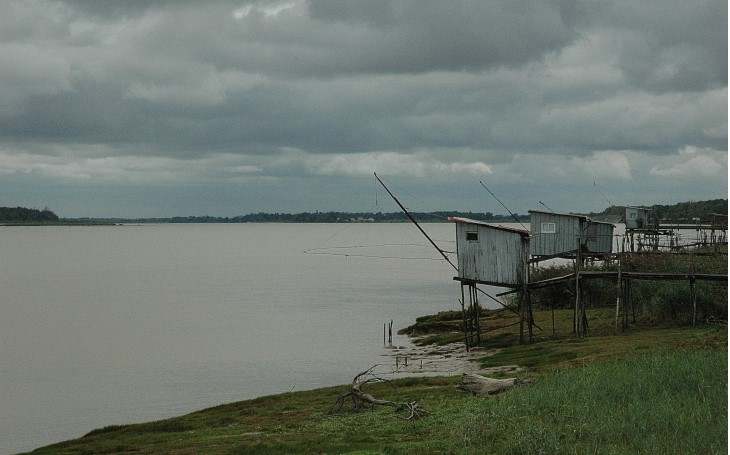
482,385
361,400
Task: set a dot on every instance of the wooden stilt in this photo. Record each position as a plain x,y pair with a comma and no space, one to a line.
521,310
577,316
529,313
465,319
692,290
633,307
552,310
477,314
618,292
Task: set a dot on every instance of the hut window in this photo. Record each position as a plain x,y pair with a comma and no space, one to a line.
472,236
547,228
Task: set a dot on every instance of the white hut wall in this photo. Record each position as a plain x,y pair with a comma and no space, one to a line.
490,255
636,218
553,233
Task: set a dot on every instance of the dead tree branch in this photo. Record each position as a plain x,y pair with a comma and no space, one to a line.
361,399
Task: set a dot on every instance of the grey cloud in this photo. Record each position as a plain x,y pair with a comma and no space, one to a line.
668,45
461,85
414,36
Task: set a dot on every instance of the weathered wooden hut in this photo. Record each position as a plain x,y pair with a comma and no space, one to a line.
556,234
489,254
638,218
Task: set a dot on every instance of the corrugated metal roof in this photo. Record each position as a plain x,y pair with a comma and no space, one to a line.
574,215
457,219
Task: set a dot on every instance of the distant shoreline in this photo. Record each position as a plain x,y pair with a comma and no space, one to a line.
310,217
688,212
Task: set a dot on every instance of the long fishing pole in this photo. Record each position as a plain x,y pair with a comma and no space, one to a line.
544,205
413,220
505,207
601,193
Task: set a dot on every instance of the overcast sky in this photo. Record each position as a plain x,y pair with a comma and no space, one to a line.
164,108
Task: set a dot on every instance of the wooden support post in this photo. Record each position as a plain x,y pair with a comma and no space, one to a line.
521,310
618,291
628,300
471,314
465,318
529,313
633,307
477,314
693,296
577,315
692,289
552,310
526,290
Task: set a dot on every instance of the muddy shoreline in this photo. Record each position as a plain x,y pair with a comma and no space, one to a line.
446,360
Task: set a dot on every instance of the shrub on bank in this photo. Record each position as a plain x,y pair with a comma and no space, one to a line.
654,301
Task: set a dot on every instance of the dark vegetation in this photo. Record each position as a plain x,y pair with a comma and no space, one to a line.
324,217
683,211
658,301
678,212
23,215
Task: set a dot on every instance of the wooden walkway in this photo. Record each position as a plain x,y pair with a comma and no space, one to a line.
627,276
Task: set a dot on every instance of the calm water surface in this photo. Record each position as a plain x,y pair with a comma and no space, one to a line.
119,324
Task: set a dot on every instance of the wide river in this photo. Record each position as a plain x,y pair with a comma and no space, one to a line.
118,324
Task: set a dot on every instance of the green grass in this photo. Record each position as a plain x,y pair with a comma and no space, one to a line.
650,390
669,404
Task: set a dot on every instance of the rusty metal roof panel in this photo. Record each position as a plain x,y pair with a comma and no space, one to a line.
522,232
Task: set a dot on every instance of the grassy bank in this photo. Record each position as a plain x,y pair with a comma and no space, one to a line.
647,390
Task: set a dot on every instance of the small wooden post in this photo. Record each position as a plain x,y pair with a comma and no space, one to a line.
552,310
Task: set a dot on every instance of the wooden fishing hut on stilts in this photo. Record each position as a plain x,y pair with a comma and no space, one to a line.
491,255
569,236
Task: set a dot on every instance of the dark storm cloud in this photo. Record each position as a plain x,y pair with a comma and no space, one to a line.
416,36
669,46
223,91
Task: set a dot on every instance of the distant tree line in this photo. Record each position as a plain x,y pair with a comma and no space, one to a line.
24,215
683,211
325,217
677,212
